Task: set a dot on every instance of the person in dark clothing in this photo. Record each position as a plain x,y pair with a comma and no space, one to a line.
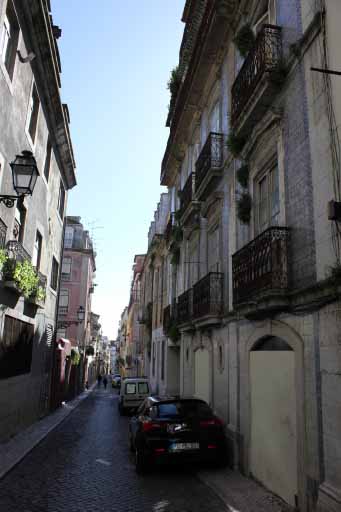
99,380
105,382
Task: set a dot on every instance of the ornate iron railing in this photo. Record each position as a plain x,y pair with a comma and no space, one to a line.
3,232
187,192
261,265
208,295
16,251
63,310
211,157
264,57
185,307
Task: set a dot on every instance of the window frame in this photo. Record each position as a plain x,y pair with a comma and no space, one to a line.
8,51
48,158
54,274
272,219
61,200
39,237
33,114
64,274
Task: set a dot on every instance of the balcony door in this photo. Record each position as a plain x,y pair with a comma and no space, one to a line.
193,260
202,375
213,240
215,118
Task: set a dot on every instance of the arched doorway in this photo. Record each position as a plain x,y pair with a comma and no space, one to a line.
273,442
202,374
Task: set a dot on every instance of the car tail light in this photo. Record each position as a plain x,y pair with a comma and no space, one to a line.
211,446
148,425
159,450
214,422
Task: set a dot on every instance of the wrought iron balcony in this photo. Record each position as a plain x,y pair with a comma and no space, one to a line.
185,307
3,231
16,251
63,310
263,59
187,193
210,159
208,295
261,266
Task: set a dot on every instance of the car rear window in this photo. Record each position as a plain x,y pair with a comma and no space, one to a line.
181,409
143,387
131,388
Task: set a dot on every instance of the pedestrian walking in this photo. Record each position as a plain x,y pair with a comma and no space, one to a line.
99,380
105,382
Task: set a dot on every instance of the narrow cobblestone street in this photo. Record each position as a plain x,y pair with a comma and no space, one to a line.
85,465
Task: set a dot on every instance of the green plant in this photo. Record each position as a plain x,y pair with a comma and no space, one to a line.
23,274
244,204
75,357
39,294
243,175
235,144
177,215
177,233
175,251
3,258
174,81
174,333
244,40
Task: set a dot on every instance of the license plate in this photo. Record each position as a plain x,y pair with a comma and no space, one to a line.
178,447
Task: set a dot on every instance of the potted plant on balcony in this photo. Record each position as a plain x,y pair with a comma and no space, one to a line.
38,296
174,333
235,144
20,276
244,40
244,203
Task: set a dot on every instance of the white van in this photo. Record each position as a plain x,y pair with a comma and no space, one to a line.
132,393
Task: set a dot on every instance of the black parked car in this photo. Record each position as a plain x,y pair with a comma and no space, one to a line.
168,429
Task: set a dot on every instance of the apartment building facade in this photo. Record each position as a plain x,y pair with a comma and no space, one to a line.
32,119
251,165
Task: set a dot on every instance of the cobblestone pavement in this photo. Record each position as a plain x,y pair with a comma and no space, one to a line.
84,465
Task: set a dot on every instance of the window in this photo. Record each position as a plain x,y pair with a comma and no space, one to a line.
66,268
61,333
63,301
47,163
68,237
16,346
9,39
36,257
19,222
61,200
33,113
54,274
153,360
143,387
131,388
267,200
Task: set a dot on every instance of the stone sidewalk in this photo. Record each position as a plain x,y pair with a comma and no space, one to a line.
12,452
241,494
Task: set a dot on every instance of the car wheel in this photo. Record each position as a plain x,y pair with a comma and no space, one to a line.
140,462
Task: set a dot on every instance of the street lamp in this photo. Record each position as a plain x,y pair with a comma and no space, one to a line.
24,174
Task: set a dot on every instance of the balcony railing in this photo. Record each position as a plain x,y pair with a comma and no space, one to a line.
211,157
264,57
262,265
168,230
63,310
185,307
187,192
16,251
3,231
208,295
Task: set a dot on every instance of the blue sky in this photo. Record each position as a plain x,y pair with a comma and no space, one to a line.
116,61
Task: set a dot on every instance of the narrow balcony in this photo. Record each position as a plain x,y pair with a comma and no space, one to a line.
63,310
208,298
188,203
208,167
260,270
17,251
258,79
185,307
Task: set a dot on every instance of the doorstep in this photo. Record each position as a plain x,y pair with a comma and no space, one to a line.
241,494
12,452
